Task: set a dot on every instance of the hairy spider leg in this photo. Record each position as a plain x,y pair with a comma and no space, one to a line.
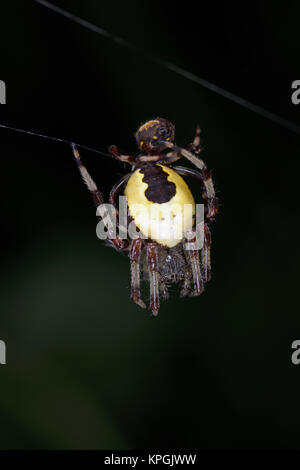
113,149
135,258
192,256
209,192
163,289
186,285
152,261
113,198
205,253
168,158
97,196
195,145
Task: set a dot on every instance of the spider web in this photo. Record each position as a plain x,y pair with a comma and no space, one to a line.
259,110
174,68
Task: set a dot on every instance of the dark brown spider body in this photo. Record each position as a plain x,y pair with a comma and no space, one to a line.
159,189
173,266
155,187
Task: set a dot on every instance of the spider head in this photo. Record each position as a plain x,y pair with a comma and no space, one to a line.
152,135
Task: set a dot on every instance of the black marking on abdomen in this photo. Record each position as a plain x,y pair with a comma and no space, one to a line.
159,189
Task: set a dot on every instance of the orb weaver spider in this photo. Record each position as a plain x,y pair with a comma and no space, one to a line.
155,183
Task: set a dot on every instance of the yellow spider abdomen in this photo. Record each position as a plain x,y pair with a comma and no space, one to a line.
162,207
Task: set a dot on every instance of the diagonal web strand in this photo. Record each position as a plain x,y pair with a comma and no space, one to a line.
56,139
176,69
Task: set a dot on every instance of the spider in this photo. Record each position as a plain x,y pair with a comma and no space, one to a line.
156,184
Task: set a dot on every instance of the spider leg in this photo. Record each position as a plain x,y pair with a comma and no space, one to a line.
97,196
209,192
192,256
163,289
113,149
113,195
135,256
182,170
186,285
205,253
152,261
195,145
91,185
172,157
117,188
132,160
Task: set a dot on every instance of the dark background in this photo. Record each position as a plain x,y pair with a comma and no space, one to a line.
86,368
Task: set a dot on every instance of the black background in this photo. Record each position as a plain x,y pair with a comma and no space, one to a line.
86,368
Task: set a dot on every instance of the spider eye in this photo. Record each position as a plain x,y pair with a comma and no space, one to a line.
163,131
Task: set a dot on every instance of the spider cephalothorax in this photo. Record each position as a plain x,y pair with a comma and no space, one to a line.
156,196
152,136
